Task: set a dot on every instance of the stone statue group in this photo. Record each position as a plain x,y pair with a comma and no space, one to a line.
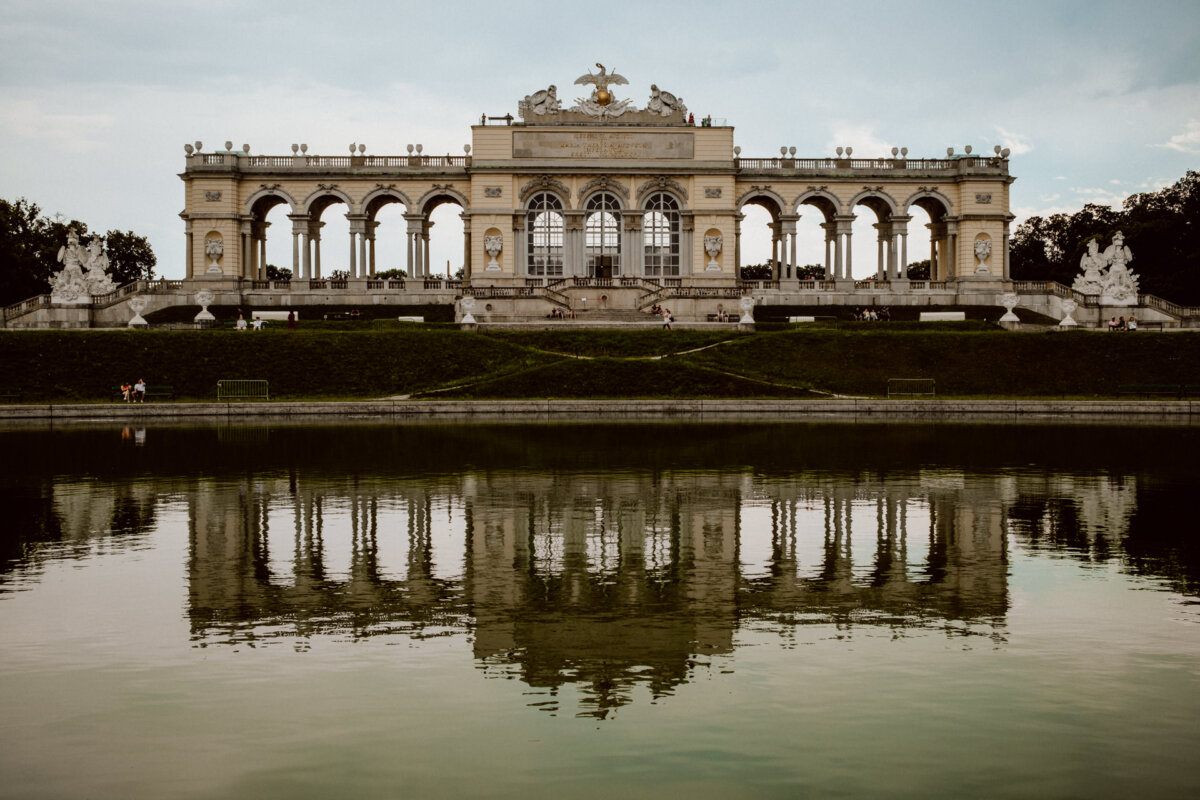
84,272
601,103
1107,274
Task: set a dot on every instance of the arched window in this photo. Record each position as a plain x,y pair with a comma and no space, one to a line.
660,229
602,236
544,227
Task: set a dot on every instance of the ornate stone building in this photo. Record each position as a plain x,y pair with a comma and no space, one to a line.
640,202
603,210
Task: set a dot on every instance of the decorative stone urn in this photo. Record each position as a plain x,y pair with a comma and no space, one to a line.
1068,307
138,305
214,249
493,245
983,249
746,304
712,246
1009,300
204,298
466,305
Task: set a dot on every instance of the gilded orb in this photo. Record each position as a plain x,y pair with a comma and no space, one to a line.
603,98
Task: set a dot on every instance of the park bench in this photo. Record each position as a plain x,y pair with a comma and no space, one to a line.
152,392
10,392
1142,326
1150,390
242,390
728,318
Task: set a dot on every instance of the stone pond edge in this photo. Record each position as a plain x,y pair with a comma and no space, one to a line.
672,409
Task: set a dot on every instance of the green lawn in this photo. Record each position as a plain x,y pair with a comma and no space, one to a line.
365,362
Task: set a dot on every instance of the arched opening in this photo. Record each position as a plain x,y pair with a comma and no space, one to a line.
387,234
442,255
602,236
660,236
874,251
544,229
329,242
930,212
815,232
270,256
758,239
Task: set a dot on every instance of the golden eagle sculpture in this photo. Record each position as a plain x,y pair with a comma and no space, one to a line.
601,80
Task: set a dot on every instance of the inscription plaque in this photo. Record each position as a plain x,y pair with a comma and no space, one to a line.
567,144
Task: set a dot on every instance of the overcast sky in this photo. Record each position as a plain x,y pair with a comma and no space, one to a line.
1097,100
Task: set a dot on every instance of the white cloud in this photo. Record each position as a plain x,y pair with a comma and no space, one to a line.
861,137
1017,142
1186,142
71,133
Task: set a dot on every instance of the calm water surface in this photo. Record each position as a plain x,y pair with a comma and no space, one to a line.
598,610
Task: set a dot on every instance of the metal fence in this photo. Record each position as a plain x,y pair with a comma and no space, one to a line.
911,387
242,390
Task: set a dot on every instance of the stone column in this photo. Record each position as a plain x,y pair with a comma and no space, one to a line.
881,266
899,247
829,228
426,265
952,247
737,244
520,249
845,232
635,246
371,226
299,227
687,238
1007,265
244,251
190,270
937,251
573,260
787,231
415,250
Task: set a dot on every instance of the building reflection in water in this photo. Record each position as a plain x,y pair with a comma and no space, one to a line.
602,567
605,581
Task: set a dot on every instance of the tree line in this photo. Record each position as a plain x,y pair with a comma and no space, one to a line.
1162,229
29,245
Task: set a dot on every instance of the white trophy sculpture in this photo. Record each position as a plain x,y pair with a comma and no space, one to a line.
467,305
138,305
214,248
746,304
712,246
493,245
1009,300
1068,307
204,298
983,249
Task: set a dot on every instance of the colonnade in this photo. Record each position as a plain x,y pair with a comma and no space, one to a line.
891,242
306,247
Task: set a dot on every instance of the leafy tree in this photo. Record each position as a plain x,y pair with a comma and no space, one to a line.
1161,228
811,272
918,270
30,243
275,273
130,257
391,275
757,272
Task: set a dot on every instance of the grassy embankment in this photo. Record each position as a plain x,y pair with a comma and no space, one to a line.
66,366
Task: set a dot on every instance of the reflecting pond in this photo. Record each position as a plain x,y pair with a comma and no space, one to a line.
466,610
